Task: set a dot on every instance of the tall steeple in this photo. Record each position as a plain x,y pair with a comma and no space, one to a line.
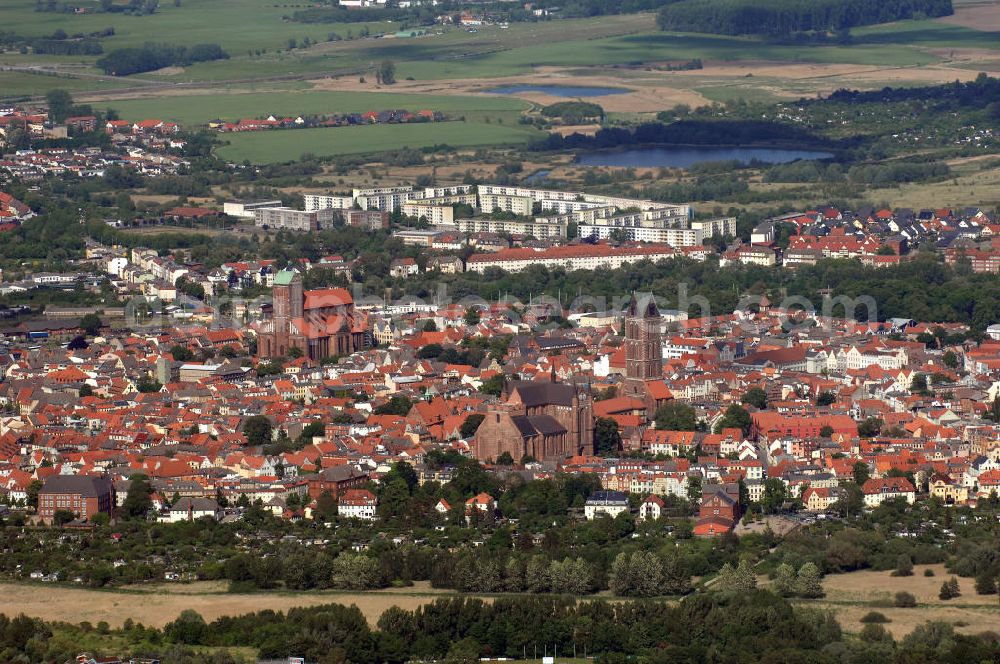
643,354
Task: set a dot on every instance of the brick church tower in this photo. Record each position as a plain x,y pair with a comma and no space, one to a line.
643,354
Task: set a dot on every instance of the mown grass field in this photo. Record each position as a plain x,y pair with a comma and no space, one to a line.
236,25
23,84
199,109
287,145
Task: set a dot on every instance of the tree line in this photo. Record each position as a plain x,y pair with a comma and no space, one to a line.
784,17
152,56
59,43
688,132
923,289
876,175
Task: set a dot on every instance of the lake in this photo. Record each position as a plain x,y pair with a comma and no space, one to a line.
684,157
558,90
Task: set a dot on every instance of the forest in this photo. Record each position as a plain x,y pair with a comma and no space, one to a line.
150,57
778,18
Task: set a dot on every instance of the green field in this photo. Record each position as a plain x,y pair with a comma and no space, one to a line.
926,34
253,84
242,26
493,52
287,145
199,109
237,25
646,47
22,84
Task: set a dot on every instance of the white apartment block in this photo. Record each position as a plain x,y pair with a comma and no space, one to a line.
539,227
389,199
454,190
572,257
637,227
435,214
294,220
319,202
519,205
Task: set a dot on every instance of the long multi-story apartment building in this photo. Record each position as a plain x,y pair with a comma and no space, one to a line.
570,201
294,220
389,199
519,205
571,257
645,227
321,202
435,214
538,227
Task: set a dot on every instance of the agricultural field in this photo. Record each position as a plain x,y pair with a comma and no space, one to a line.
451,69
199,109
236,25
472,121
287,145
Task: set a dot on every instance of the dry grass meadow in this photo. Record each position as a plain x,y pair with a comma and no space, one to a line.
853,595
849,596
158,605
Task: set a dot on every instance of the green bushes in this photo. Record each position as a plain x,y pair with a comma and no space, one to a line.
876,175
806,583
874,617
573,112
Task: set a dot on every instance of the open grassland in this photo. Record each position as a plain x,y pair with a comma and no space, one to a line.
278,146
978,14
853,595
975,181
159,605
199,109
15,84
